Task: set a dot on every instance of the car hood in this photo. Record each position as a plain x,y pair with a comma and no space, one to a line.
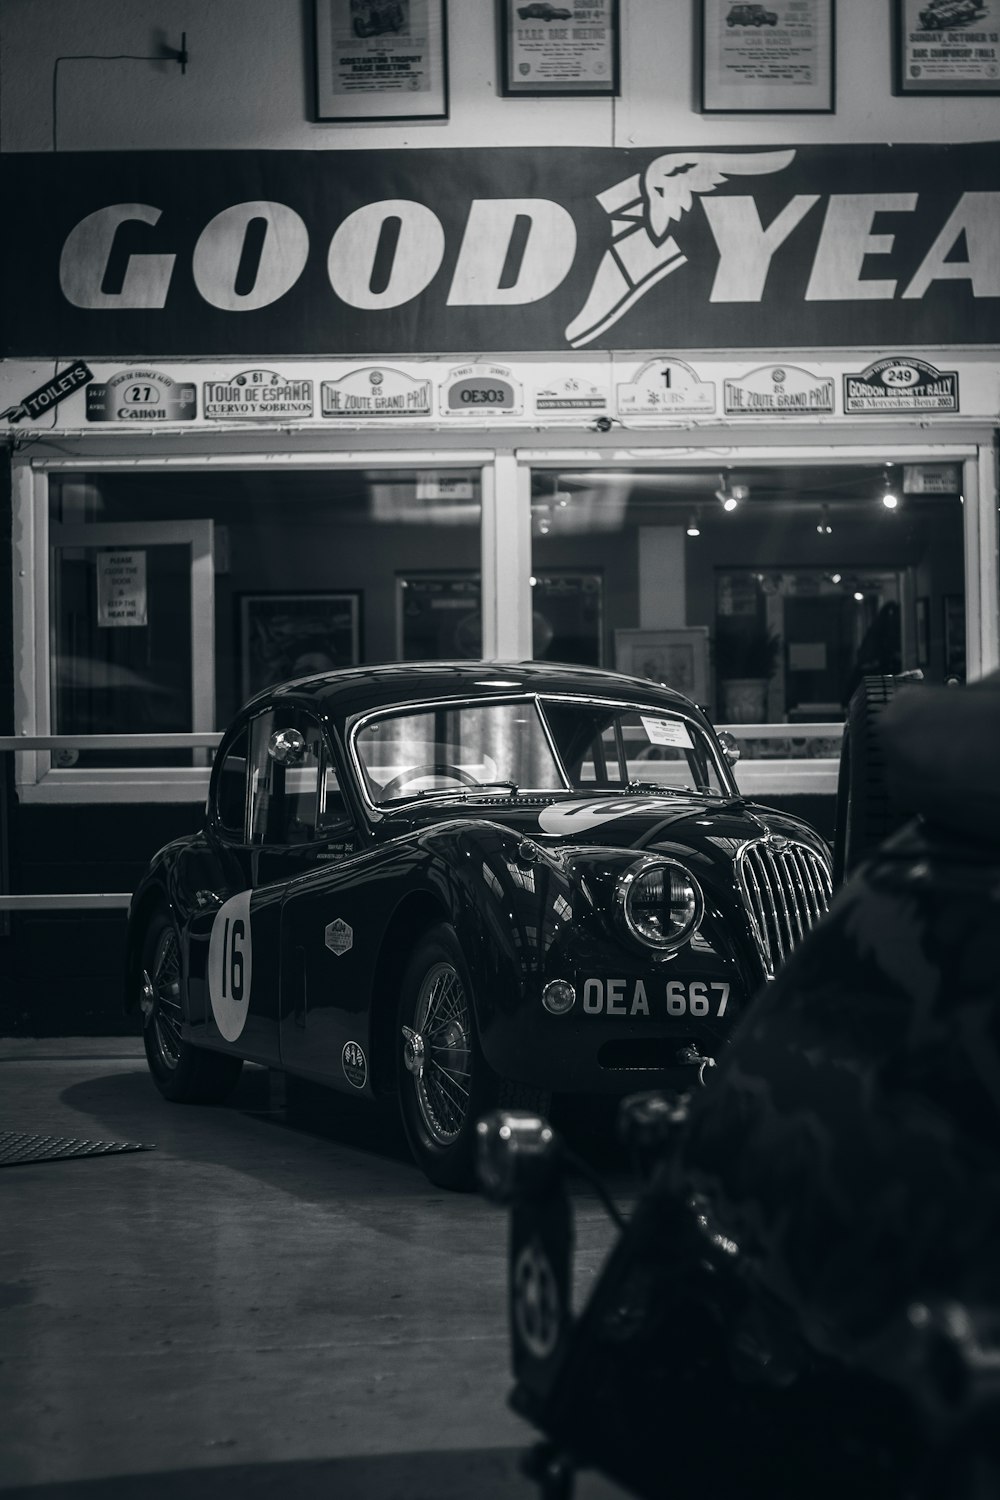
633,820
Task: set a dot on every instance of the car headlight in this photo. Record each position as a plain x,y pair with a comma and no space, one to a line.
659,903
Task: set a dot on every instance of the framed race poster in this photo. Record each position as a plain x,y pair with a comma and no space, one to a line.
774,58
438,616
381,59
553,50
946,47
953,610
293,635
676,658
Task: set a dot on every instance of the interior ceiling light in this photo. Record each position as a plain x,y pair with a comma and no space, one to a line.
823,525
730,495
889,497
859,596
693,527
836,577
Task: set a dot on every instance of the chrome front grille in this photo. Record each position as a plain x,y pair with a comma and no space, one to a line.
786,888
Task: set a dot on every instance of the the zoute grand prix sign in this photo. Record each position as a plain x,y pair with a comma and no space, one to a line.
282,253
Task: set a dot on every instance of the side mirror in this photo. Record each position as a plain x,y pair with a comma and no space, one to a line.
287,747
730,746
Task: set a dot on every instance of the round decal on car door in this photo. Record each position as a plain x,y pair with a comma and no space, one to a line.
230,966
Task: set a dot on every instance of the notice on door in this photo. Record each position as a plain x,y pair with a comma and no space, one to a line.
121,588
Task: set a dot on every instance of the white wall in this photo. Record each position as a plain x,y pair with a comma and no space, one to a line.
247,84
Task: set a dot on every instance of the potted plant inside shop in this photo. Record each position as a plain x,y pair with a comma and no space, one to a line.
746,654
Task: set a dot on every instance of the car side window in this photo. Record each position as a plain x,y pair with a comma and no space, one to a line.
332,805
231,789
285,789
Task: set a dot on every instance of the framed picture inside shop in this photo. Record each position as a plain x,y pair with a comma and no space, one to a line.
438,616
775,58
292,635
677,658
553,50
953,610
381,59
946,47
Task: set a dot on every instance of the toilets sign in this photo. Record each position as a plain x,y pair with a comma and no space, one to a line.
279,253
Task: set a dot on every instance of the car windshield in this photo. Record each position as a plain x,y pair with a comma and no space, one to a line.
511,747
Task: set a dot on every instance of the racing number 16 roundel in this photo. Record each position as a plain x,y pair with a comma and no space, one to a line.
230,966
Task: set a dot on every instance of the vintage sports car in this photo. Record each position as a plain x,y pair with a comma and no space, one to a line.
544,12
806,1298
751,15
465,883
942,13
379,19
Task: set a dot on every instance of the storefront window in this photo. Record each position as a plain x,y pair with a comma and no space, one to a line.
764,594
175,596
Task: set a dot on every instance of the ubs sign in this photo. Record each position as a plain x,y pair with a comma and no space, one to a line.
440,251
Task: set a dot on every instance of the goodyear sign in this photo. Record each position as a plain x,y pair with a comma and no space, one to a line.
270,254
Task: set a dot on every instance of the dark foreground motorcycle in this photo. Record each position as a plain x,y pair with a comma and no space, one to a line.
805,1300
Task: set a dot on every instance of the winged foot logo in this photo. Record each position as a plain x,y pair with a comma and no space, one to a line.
642,209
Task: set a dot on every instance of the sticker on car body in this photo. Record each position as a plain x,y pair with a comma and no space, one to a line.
355,1064
578,817
230,966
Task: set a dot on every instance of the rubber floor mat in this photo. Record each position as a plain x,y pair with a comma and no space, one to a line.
16,1148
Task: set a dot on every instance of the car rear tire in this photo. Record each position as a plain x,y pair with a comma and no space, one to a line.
183,1073
865,811
445,1083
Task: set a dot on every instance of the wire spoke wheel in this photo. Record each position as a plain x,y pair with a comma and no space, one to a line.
163,985
444,1021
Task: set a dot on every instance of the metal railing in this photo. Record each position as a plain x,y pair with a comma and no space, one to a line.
91,900
119,900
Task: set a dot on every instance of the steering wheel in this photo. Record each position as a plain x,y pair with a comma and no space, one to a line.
438,768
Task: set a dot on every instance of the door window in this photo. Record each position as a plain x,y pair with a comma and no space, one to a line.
285,800
231,794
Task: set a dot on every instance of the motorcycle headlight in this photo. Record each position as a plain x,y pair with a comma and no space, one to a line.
659,903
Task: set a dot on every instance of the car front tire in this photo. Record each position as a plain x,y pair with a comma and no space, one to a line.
445,1083
183,1074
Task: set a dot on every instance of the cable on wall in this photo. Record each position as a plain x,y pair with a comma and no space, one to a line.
166,54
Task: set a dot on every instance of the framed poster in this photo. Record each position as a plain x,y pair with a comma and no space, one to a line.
292,635
946,47
677,658
381,59
570,49
567,616
776,58
954,636
439,616
923,630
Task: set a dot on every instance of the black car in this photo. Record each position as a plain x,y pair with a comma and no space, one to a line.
751,15
544,12
376,20
465,883
943,13
806,1299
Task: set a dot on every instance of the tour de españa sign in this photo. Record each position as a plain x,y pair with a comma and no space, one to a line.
284,253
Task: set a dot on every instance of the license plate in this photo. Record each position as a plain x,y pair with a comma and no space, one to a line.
626,998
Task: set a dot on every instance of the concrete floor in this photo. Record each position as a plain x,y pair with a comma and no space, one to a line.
264,1304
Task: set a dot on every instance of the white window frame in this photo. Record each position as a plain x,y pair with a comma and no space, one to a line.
975,453
36,779
505,554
